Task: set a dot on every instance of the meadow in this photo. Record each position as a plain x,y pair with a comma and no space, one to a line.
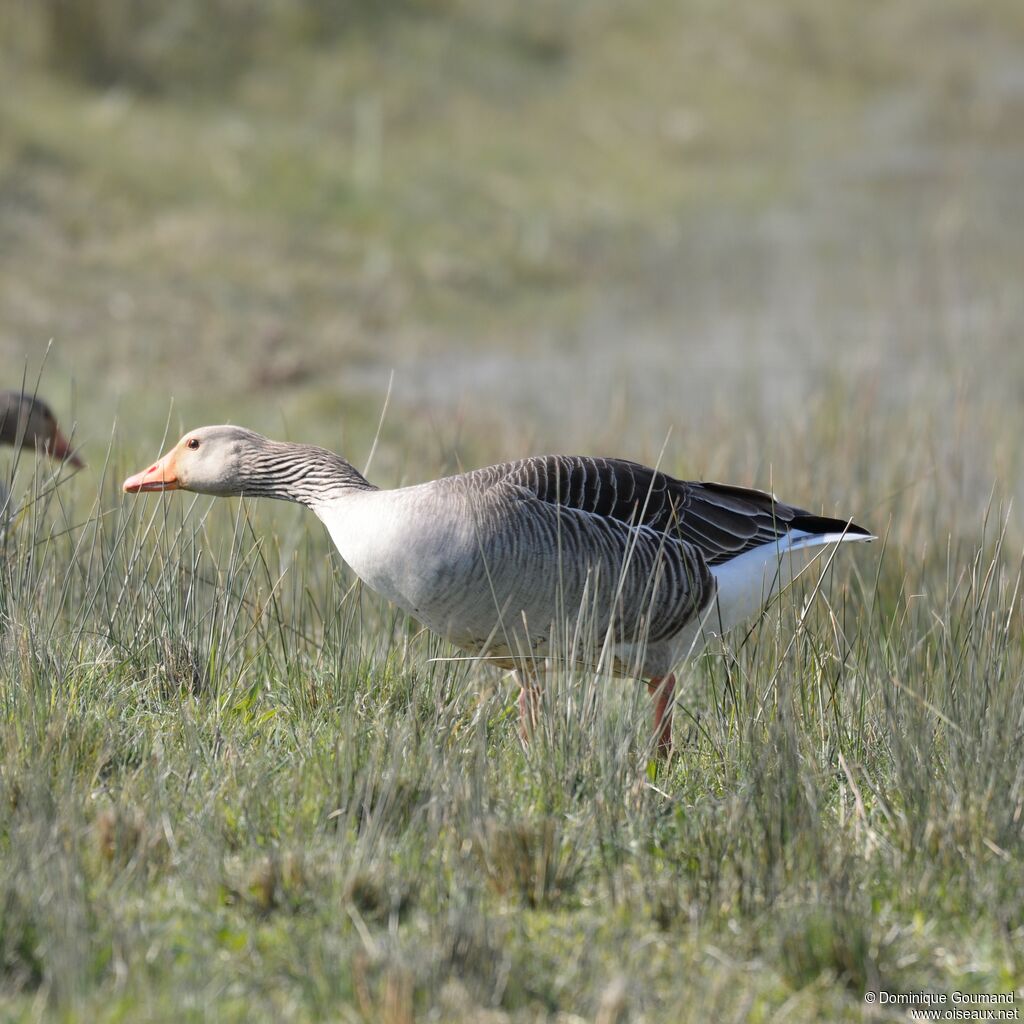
776,244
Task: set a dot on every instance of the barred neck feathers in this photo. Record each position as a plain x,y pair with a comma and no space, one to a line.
302,473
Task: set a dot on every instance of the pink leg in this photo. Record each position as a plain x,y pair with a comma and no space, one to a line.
529,707
661,689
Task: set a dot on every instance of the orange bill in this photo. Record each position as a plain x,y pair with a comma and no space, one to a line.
161,476
60,448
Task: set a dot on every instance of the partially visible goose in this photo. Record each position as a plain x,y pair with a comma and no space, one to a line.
495,558
27,422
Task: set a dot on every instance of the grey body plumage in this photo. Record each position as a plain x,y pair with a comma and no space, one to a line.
504,560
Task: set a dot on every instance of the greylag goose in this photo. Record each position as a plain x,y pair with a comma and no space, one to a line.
27,422
495,558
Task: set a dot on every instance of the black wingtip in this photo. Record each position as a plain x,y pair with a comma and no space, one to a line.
822,524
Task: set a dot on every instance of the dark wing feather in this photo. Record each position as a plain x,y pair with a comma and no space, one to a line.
654,580
721,521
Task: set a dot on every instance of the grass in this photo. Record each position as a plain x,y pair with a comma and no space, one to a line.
233,784
775,245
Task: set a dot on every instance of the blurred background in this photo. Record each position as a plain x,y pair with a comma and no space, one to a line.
776,241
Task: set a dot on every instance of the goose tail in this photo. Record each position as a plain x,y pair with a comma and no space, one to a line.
746,583
807,531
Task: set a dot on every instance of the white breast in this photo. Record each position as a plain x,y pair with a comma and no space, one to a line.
401,544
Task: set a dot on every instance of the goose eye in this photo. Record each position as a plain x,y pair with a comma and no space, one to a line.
193,443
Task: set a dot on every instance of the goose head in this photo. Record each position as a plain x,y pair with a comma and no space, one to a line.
27,422
231,461
220,460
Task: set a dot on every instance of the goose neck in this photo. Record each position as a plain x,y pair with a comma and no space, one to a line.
302,473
